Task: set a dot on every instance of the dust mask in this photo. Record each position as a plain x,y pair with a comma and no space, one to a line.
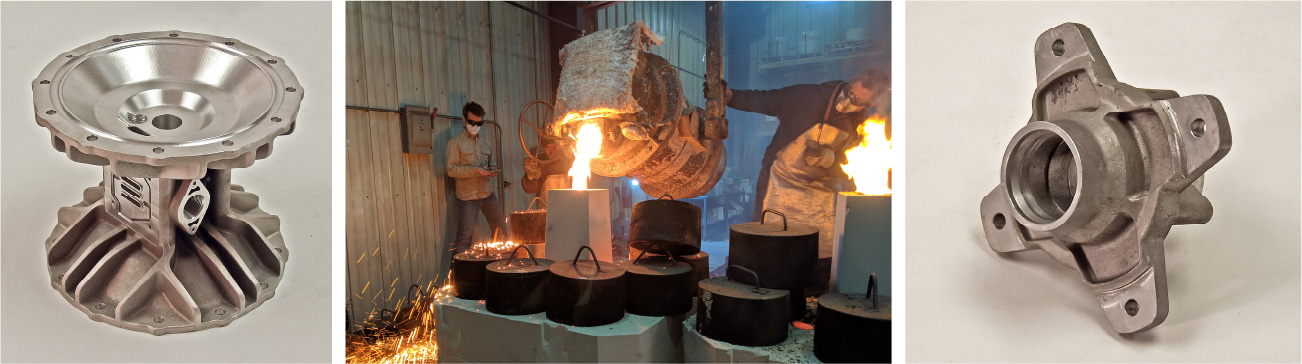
472,129
845,105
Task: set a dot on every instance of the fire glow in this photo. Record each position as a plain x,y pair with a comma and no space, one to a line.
586,115
415,346
587,147
492,248
869,163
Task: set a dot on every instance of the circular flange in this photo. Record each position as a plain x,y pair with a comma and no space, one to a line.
167,104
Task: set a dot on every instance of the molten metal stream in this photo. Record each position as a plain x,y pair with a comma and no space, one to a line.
587,148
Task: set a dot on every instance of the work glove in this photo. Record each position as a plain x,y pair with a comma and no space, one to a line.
817,155
727,92
531,169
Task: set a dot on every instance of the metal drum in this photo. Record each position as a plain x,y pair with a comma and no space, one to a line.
700,263
854,328
585,293
785,255
529,227
517,286
658,286
666,226
741,314
468,274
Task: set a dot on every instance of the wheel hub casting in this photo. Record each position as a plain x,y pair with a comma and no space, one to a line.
166,243
1101,173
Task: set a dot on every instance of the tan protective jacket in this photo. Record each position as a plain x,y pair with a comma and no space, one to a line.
465,157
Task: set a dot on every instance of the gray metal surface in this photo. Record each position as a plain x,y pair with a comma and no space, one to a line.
166,244
1101,173
651,132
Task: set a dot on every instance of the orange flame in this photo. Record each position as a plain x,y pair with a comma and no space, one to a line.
493,247
587,148
869,163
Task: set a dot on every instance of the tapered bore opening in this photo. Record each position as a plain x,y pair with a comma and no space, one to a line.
1042,176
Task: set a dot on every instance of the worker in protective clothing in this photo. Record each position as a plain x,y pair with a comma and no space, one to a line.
801,173
470,165
549,171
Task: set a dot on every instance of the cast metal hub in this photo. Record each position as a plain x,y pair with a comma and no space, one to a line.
166,243
1101,173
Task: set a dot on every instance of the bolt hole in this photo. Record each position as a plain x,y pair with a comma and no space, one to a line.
290,89
999,221
45,82
158,150
271,61
158,319
279,250
228,143
69,56
50,112
167,121
230,43
1198,128
1059,47
173,35
1132,307
275,119
193,206
264,285
117,39
92,138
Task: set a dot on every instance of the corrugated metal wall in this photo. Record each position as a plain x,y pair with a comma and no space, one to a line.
437,54
681,24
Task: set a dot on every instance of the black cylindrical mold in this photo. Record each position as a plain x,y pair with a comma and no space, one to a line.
585,292
700,263
468,275
741,314
657,286
673,225
849,330
517,286
786,255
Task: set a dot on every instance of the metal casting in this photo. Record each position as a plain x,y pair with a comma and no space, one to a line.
166,243
1101,173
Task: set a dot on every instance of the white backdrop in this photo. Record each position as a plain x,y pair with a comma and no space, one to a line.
1233,283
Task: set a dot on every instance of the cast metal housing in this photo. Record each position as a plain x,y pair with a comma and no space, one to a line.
166,243
1101,173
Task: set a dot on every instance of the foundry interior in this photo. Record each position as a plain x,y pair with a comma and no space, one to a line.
618,181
